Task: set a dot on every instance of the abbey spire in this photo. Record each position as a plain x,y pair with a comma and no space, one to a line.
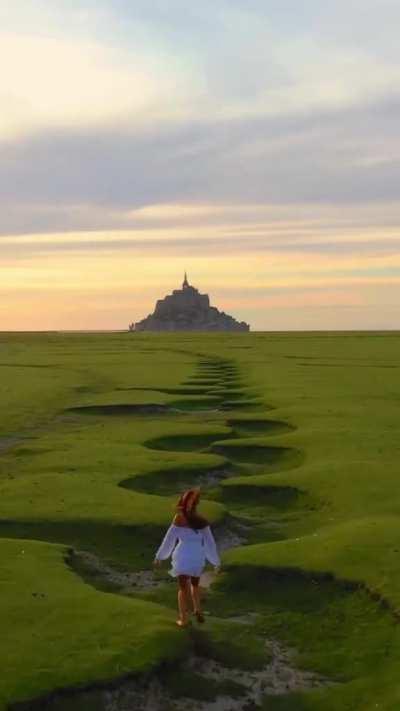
187,310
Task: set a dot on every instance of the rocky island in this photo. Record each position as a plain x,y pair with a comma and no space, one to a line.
188,310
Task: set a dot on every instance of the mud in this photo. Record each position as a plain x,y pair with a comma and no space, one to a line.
278,677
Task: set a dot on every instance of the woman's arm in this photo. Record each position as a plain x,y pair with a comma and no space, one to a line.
168,544
210,547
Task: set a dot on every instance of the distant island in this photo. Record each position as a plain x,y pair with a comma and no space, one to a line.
188,310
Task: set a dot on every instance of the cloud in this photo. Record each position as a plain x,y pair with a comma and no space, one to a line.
48,81
110,58
144,245
262,134
333,157
125,106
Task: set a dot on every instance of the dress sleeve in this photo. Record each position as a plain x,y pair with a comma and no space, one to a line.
168,544
210,547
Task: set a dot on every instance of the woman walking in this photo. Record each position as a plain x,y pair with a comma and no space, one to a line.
190,542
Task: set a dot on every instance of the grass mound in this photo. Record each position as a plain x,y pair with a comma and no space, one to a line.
338,628
62,632
318,492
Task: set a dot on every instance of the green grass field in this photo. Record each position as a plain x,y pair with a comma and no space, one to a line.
99,432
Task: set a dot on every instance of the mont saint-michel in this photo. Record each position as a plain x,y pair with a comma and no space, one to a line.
188,310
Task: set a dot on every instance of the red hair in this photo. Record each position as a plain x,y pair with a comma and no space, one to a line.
187,506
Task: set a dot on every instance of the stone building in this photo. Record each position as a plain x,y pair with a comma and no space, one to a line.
187,310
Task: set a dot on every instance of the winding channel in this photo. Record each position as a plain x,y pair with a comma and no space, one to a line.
216,389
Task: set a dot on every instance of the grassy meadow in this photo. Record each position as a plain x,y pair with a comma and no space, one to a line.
98,434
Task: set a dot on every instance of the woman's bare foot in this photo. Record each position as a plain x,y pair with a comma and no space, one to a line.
182,623
199,616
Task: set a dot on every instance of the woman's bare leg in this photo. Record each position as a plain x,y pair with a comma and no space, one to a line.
196,598
183,595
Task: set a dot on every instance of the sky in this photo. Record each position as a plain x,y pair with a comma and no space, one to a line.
254,143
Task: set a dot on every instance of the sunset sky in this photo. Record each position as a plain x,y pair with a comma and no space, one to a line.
254,143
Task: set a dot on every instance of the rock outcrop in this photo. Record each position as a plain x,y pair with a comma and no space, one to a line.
188,310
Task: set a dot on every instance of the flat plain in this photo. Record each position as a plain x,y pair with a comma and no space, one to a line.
294,439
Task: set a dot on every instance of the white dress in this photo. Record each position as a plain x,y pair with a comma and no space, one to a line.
190,549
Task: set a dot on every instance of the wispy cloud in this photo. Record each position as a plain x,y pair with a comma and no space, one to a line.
347,156
261,134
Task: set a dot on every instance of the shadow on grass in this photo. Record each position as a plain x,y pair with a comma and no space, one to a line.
252,403
259,426
200,381
131,546
192,405
338,626
167,391
231,393
169,481
253,453
277,497
120,410
183,442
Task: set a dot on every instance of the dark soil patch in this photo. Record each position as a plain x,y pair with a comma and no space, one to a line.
276,497
203,403
199,684
268,457
230,393
110,542
183,442
166,391
120,410
249,404
105,576
204,382
169,481
259,426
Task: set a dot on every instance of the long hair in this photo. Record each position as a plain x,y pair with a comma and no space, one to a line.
187,506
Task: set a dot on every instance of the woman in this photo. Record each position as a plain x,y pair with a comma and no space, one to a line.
191,543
